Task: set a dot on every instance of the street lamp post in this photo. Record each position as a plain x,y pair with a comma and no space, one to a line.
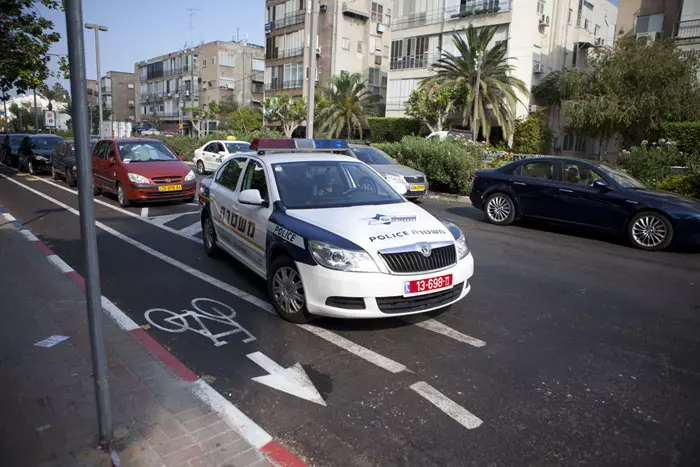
98,28
477,64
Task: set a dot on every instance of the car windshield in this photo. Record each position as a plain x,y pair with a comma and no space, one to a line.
93,142
44,143
145,151
331,184
237,147
373,156
623,179
16,140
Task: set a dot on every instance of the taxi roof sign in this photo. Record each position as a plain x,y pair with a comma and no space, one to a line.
267,144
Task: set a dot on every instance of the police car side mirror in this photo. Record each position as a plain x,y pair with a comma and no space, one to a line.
253,198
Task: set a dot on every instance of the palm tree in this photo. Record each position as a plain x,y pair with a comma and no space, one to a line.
349,102
497,89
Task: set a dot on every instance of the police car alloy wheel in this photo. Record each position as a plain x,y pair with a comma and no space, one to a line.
287,291
209,236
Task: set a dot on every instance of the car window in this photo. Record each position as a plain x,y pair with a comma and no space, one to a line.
44,143
372,156
145,151
543,170
110,151
255,179
211,147
580,174
237,147
230,172
220,147
98,150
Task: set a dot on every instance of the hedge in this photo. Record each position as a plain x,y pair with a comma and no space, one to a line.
389,129
688,185
685,134
532,135
449,164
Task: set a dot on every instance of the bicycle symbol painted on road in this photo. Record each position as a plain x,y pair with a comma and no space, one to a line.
206,309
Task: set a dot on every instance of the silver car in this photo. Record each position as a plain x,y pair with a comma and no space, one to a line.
415,181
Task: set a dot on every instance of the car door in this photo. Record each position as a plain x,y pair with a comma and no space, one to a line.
535,187
223,195
57,157
206,156
581,202
100,165
252,219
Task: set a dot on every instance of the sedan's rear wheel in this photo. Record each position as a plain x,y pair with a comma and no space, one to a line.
500,209
650,231
200,168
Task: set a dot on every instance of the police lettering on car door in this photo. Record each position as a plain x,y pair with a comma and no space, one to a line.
237,222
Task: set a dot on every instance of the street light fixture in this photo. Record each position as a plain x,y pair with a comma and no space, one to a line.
98,28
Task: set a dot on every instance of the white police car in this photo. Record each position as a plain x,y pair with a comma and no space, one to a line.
330,235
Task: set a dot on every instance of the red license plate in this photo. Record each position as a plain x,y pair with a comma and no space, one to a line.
426,285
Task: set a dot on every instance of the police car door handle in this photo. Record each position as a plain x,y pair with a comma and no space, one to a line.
520,183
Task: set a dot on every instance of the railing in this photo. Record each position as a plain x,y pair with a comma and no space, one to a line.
293,83
273,86
171,72
688,29
286,53
414,61
289,20
473,8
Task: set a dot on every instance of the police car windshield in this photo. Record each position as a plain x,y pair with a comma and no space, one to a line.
331,184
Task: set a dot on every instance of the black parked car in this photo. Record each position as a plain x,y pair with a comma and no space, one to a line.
588,194
35,152
9,152
63,161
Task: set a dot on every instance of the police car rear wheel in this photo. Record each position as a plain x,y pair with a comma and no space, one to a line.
209,235
287,291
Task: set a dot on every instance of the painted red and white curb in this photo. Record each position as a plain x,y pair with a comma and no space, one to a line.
237,420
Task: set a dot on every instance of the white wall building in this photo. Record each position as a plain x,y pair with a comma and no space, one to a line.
42,103
542,36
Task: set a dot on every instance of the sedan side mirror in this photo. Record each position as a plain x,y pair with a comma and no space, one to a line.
253,198
600,183
222,153
112,161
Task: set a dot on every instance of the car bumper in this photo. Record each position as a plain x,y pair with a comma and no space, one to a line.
152,193
378,295
415,194
40,165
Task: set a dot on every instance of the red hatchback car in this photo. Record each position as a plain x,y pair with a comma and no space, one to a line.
138,169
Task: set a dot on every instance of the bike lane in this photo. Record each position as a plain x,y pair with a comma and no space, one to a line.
370,414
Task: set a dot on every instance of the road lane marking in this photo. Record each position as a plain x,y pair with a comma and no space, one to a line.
292,380
445,330
193,229
9,217
144,212
162,220
119,317
458,413
59,263
356,349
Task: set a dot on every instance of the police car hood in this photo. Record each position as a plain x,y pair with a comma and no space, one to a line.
377,227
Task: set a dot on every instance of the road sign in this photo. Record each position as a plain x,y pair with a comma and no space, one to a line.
50,119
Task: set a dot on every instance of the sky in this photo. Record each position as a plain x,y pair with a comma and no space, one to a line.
140,30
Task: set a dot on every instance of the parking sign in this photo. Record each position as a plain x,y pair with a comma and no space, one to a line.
50,119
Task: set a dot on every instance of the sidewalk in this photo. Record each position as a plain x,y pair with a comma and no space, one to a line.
47,399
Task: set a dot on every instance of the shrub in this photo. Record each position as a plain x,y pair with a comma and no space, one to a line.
651,163
392,129
688,185
449,165
532,135
685,134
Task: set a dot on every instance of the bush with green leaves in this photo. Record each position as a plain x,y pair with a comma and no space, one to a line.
449,165
688,185
384,129
185,145
532,135
652,163
685,134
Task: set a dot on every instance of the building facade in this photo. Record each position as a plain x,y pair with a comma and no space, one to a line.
119,95
687,31
661,19
353,37
195,77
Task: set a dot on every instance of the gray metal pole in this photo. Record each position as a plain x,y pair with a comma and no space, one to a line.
88,230
311,98
99,77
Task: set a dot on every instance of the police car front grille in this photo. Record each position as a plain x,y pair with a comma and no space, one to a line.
391,305
414,261
415,179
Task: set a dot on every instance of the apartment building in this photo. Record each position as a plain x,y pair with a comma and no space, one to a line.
661,19
687,31
195,77
353,37
119,95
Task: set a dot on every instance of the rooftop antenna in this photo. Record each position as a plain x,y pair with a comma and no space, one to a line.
190,13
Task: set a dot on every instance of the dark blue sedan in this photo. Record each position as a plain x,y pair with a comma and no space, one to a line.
589,194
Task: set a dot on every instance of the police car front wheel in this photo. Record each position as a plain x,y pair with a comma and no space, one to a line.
287,291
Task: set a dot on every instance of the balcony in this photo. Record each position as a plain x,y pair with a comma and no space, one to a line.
436,16
353,10
688,30
293,83
286,53
414,61
288,20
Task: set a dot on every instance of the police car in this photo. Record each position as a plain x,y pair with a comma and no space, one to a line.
330,235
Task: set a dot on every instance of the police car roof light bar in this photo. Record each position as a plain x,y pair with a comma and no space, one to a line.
261,145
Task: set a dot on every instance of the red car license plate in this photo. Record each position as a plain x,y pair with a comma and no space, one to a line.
426,285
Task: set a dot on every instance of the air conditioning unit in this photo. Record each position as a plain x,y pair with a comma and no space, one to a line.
187,93
170,94
318,50
599,41
544,20
538,67
380,28
533,108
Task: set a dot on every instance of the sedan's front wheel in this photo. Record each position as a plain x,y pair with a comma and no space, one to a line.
287,291
650,231
500,209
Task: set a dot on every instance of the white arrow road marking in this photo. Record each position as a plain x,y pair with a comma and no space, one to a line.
292,380
193,229
445,330
458,413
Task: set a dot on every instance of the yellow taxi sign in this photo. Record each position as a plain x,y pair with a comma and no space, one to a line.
231,138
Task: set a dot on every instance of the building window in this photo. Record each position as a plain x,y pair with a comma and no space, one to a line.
568,19
204,63
225,59
377,12
375,77
213,60
649,24
346,43
258,64
360,47
540,7
293,75
409,53
596,30
377,59
130,85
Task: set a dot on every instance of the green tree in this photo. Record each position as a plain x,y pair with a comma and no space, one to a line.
289,112
532,135
244,120
57,93
25,39
631,89
349,105
433,104
498,88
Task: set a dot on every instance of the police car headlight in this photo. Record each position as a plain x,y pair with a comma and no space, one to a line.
189,176
340,259
460,239
393,178
136,178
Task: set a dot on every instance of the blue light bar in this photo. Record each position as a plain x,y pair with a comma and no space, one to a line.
331,144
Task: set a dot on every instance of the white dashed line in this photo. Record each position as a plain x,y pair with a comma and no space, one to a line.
458,413
445,330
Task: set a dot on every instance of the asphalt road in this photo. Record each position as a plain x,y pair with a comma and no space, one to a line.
572,349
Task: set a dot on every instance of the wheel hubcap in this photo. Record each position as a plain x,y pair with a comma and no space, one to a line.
649,231
208,234
120,194
498,208
287,290
200,167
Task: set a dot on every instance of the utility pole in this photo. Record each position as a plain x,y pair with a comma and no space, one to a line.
97,29
311,98
190,12
4,105
36,114
88,229
477,63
